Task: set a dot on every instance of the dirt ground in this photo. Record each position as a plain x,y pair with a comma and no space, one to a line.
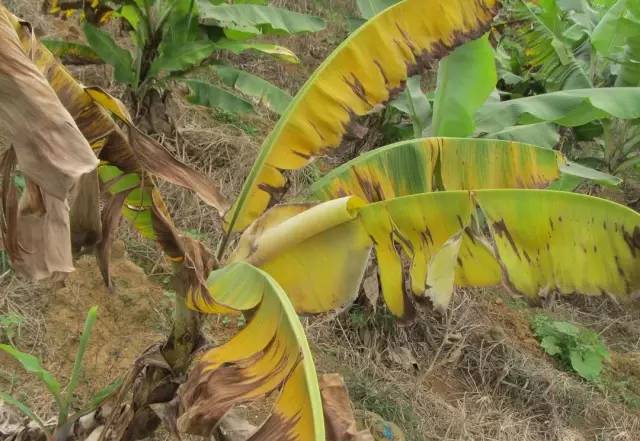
477,373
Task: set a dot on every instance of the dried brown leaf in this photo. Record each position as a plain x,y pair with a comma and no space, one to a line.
339,418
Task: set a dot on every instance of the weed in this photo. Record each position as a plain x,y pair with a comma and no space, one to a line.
9,326
622,390
577,348
381,400
517,304
230,118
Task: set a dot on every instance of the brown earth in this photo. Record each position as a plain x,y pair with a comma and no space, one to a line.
128,322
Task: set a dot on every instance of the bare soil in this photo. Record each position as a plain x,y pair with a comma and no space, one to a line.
128,322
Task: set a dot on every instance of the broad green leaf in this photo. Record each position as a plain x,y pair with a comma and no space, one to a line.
181,23
458,94
266,93
413,101
569,108
257,18
132,14
107,49
586,363
362,73
72,53
271,350
580,171
629,74
279,52
540,134
550,345
369,8
207,94
180,57
32,365
617,25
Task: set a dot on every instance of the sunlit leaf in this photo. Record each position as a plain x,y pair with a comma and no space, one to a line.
266,93
257,19
363,72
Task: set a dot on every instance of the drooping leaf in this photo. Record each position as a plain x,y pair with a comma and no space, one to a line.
540,134
86,224
155,159
274,50
26,410
107,49
72,53
408,233
530,240
32,365
362,73
458,94
270,354
210,95
569,108
580,171
50,151
120,162
257,19
543,237
264,92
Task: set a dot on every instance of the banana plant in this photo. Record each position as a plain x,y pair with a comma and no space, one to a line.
437,212
177,41
568,45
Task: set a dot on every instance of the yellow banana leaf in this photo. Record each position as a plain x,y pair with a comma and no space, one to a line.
362,73
271,353
430,164
425,165
534,241
562,241
306,230
408,232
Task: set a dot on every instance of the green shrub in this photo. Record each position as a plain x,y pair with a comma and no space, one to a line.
578,348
